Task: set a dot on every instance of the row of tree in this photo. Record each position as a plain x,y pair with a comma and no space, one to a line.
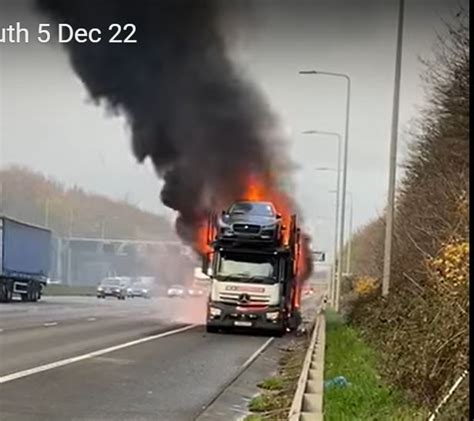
422,328
34,198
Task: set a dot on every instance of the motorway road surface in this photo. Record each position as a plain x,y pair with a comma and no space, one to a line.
160,377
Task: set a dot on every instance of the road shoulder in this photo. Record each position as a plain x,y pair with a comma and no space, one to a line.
232,403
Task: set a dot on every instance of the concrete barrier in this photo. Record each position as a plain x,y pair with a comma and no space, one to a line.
307,403
62,290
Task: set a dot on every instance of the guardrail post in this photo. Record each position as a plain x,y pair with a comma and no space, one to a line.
308,400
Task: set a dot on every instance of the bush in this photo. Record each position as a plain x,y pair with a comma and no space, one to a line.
422,327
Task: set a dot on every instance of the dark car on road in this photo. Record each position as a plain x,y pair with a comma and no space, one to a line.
138,289
246,220
113,287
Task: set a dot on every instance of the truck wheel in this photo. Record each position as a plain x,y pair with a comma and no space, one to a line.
6,293
295,320
281,330
9,292
24,297
211,329
35,294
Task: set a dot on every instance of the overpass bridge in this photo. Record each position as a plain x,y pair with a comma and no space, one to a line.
84,260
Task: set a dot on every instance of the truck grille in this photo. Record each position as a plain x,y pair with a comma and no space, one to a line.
233,298
246,229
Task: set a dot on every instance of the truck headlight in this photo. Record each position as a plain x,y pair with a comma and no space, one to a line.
117,289
213,311
273,315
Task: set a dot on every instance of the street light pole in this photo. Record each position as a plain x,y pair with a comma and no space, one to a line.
344,173
349,238
332,289
69,254
332,285
387,258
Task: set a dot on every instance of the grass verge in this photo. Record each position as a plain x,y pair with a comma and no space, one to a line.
274,403
61,290
367,398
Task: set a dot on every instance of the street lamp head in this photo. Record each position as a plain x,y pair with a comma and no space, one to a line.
308,72
322,132
325,169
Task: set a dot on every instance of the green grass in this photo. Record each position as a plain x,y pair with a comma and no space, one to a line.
277,394
57,289
367,398
273,383
262,403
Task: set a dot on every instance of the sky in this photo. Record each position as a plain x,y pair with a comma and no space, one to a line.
48,124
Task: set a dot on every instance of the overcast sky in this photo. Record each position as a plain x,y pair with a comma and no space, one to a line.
47,124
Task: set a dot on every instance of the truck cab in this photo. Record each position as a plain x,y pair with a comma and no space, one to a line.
250,288
253,283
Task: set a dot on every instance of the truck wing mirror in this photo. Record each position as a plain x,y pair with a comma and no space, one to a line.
278,216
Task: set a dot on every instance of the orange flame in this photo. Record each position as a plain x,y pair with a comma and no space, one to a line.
201,240
264,189
258,190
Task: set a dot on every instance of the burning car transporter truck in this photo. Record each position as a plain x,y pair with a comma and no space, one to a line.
253,276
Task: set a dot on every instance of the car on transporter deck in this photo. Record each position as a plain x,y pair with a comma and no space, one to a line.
250,221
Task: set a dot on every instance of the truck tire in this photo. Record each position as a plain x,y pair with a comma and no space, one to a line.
295,320
34,293
212,329
281,330
6,292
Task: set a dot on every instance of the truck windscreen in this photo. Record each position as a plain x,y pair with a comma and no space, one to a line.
243,268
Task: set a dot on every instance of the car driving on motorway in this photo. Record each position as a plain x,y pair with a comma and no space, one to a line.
113,287
251,221
176,291
195,292
138,289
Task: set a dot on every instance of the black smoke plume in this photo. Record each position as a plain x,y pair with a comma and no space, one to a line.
203,124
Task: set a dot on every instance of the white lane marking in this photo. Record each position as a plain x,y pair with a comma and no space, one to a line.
254,356
50,324
91,319
67,361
